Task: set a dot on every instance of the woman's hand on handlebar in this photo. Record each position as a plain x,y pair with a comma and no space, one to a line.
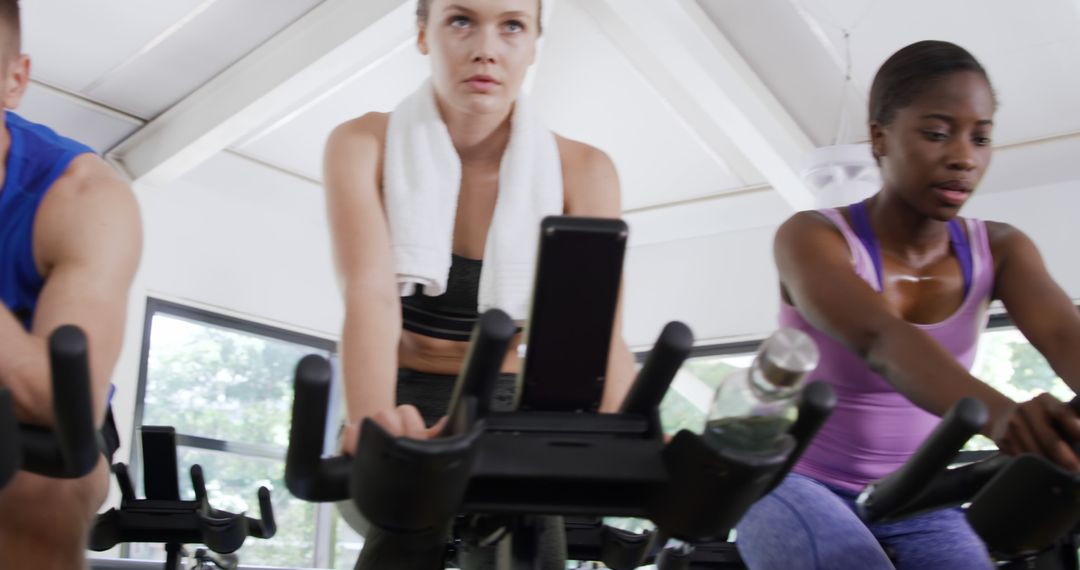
1045,426
402,421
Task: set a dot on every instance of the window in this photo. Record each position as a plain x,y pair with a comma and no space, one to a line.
226,386
1009,363
1005,360
687,401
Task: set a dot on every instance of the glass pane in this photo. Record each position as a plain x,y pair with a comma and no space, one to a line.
232,484
686,403
1008,362
219,383
347,544
1005,360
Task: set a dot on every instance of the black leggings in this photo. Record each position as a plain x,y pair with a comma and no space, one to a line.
110,437
430,393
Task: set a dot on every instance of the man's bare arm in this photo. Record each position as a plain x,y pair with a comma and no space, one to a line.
87,244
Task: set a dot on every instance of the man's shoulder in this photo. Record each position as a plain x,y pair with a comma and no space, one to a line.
89,207
89,174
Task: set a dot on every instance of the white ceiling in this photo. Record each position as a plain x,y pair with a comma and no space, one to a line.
608,105
1031,51
141,57
109,68
75,43
588,90
94,125
295,142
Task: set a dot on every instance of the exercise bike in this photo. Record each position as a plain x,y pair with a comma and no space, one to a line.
553,455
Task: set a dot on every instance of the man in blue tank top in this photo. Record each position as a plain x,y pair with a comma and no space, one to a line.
70,241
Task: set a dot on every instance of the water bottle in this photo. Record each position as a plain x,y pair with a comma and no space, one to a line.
754,407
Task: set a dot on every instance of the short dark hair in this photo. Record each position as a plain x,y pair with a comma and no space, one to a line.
910,71
9,15
423,10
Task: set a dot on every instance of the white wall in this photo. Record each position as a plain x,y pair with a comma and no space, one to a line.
234,237
1048,214
725,286
237,235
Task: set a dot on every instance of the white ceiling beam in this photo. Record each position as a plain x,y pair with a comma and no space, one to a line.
85,102
675,46
329,43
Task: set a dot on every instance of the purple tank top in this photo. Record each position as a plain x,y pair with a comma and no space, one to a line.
874,428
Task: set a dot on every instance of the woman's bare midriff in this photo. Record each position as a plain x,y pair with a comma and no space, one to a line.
439,356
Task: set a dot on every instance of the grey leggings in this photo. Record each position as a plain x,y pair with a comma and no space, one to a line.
430,393
805,525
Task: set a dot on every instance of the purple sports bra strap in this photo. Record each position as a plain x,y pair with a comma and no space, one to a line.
860,223
962,248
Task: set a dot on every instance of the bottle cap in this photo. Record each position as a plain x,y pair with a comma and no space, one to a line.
787,356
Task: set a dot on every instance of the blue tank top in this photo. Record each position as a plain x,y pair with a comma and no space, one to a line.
36,158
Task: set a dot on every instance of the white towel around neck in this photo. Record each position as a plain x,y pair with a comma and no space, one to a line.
421,181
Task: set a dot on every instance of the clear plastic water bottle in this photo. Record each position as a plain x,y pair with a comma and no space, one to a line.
754,407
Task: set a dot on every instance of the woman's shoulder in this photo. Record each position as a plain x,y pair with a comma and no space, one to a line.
369,128
590,182
1005,238
813,227
1000,230
354,152
357,143
814,222
578,153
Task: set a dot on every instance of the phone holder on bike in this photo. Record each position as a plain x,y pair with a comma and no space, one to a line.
162,517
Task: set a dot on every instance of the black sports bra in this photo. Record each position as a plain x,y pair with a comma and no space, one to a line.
449,316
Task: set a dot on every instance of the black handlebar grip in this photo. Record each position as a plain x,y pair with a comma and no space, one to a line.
10,447
123,478
954,487
659,370
890,493
265,527
816,403
307,475
70,450
73,401
490,340
198,483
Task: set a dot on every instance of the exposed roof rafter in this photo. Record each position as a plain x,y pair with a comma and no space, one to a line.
687,59
326,45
